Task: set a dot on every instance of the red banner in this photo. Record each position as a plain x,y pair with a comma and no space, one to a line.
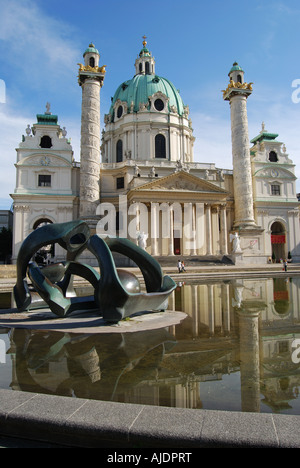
281,295
278,238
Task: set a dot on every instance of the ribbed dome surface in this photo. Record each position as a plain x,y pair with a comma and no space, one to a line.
140,87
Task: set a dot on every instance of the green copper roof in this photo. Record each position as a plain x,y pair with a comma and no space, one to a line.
144,52
91,48
264,136
47,119
140,87
236,67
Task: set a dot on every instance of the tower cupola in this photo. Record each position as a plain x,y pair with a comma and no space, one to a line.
91,56
145,63
236,73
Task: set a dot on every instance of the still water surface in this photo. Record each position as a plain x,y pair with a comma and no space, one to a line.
233,351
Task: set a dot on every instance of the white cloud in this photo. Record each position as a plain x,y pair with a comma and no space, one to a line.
12,128
39,52
34,43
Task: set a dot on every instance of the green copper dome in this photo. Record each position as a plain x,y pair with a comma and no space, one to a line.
91,49
141,87
236,67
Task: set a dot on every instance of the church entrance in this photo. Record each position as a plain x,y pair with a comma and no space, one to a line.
177,249
278,241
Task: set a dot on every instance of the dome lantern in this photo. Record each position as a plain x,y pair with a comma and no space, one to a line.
145,63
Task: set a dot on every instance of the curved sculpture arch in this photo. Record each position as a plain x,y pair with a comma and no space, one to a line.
112,298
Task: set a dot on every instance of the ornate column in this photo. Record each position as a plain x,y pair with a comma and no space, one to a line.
90,79
237,93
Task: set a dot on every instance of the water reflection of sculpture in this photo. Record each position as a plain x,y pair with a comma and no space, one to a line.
92,366
113,297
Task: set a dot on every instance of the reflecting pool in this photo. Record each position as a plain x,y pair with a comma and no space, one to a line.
235,350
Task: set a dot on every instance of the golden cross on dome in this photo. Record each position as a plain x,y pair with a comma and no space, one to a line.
144,41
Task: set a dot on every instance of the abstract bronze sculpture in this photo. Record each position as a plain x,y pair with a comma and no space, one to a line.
113,298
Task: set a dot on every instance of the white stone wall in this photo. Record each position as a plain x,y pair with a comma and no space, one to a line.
55,203
137,132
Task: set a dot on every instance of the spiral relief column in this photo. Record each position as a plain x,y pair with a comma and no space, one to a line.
90,79
237,93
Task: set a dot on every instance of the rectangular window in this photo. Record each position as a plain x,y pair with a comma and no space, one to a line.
275,189
120,182
44,180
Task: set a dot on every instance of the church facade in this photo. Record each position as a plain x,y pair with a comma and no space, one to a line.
138,178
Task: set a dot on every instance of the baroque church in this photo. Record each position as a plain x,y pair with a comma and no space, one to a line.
137,178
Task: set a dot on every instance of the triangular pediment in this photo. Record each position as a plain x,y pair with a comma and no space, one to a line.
180,182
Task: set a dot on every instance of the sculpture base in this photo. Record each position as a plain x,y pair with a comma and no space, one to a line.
88,322
237,258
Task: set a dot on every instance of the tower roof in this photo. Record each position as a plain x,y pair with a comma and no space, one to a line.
264,135
235,67
91,49
144,52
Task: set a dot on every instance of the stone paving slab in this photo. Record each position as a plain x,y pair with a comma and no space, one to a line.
76,422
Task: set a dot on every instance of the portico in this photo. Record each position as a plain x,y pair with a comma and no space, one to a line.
182,215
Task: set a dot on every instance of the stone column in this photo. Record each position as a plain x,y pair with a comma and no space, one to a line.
194,231
154,226
224,244
237,93
242,178
91,80
171,238
90,148
208,230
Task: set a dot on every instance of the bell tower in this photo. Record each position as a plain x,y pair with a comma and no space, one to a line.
90,78
237,94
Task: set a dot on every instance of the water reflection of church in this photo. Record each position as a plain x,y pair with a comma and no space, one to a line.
242,327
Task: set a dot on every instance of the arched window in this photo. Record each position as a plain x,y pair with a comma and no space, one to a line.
147,69
46,142
119,112
273,156
239,78
140,67
278,240
119,151
160,146
92,62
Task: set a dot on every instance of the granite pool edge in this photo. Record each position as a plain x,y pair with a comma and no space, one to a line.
79,422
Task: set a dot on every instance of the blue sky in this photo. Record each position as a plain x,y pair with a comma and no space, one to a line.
194,43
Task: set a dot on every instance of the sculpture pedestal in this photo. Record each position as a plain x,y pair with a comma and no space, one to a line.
88,322
237,258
